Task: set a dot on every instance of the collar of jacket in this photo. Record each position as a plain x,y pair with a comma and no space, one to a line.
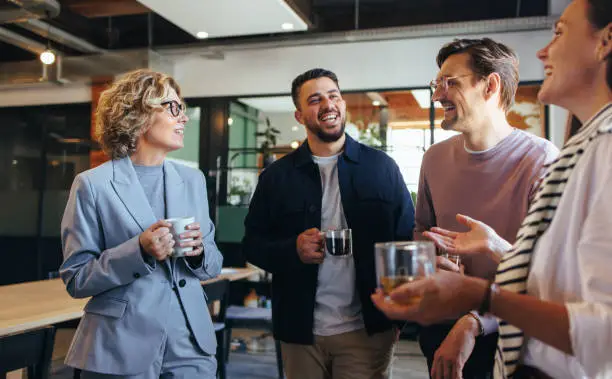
303,155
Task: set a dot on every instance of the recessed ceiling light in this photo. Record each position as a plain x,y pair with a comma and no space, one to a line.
287,26
376,103
295,145
295,128
202,35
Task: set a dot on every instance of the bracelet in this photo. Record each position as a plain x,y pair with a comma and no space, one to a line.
475,317
485,305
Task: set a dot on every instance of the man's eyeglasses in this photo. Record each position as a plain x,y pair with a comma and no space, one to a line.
445,82
174,107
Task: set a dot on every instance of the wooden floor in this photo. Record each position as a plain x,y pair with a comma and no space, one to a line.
408,362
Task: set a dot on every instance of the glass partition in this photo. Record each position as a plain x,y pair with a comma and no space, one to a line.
404,123
42,148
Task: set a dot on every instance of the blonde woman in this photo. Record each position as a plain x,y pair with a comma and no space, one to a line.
147,317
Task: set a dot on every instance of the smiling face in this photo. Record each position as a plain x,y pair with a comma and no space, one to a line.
322,109
463,98
165,132
573,60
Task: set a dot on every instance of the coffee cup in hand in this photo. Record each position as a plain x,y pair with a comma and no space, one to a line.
179,226
338,243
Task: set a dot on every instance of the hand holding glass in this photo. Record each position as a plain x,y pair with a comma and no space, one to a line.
402,262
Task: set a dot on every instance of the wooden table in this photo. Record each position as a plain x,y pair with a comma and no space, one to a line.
32,305
234,273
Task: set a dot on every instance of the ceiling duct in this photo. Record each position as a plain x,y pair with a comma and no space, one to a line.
79,69
60,36
22,10
18,40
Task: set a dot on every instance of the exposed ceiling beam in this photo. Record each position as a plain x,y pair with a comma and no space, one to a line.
60,36
19,10
105,8
18,40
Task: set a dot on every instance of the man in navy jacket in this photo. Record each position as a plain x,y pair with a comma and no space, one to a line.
321,304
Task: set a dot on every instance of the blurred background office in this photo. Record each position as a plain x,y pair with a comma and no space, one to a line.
235,61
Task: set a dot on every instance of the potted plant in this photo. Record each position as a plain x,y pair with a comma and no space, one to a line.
240,191
370,135
269,135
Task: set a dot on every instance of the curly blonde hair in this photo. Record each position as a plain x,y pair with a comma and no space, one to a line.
125,109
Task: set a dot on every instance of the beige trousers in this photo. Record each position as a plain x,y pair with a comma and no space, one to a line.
352,355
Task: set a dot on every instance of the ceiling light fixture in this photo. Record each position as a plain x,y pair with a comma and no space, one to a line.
376,103
202,35
47,57
295,145
287,26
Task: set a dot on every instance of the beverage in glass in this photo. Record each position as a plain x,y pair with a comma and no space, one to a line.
403,262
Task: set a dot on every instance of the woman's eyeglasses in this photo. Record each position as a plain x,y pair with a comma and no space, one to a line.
174,107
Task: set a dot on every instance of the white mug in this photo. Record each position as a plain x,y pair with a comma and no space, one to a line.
179,226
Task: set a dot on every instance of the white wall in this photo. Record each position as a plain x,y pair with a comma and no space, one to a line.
359,65
556,7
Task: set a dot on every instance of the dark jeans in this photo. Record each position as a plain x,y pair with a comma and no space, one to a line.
479,365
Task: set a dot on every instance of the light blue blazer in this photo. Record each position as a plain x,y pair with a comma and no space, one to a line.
123,327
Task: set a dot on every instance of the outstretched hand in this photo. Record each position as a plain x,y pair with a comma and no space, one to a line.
480,239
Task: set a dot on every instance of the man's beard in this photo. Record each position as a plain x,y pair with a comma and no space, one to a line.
449,124
327,137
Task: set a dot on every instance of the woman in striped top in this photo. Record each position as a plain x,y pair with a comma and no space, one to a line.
553,289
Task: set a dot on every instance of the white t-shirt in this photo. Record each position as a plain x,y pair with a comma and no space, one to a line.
337,304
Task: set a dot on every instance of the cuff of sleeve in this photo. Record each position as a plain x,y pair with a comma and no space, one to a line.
133,263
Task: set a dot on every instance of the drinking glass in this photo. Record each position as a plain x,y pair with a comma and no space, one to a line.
403,262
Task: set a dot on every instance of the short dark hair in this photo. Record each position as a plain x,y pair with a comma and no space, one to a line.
315,73
487,57
599,13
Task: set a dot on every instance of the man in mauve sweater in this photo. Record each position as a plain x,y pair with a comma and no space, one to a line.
489,172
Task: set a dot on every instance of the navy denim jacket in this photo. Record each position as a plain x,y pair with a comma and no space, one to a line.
287,201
